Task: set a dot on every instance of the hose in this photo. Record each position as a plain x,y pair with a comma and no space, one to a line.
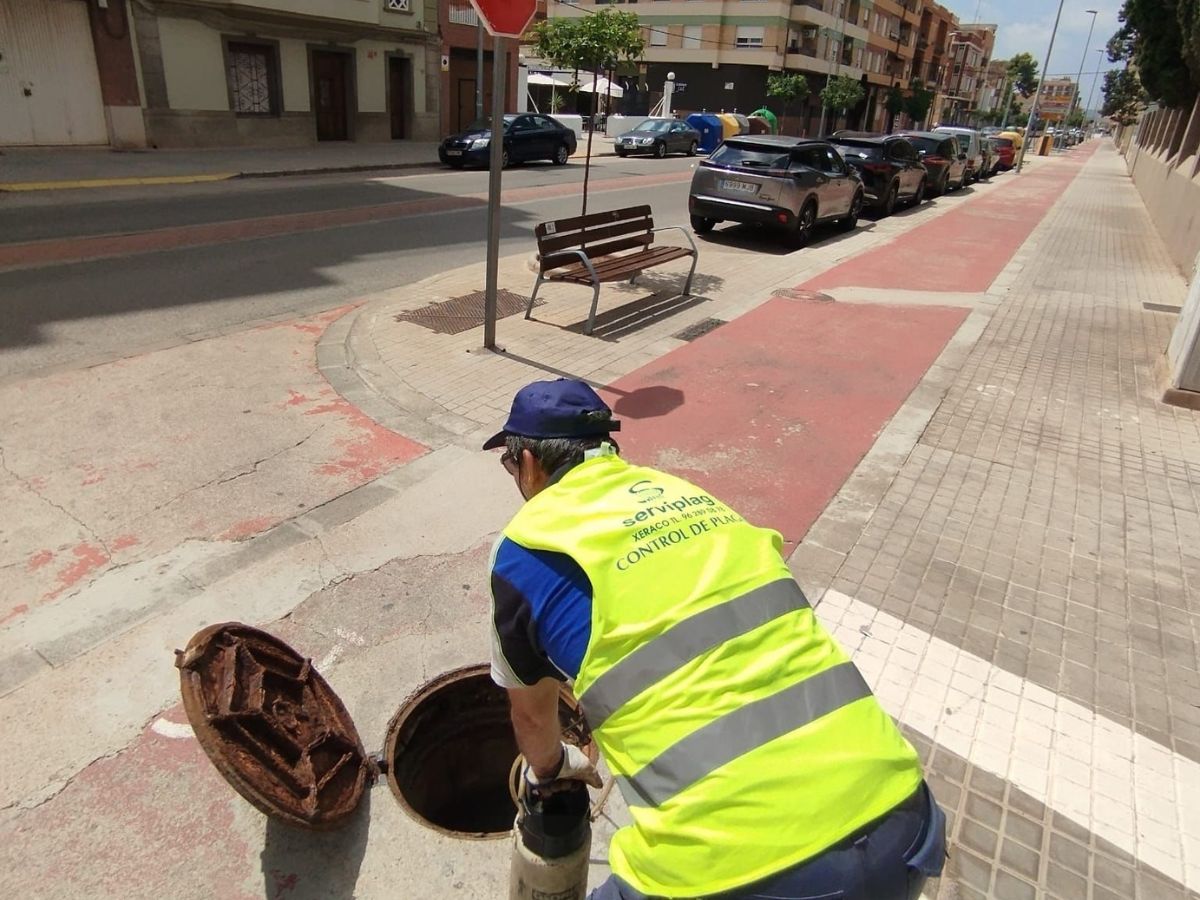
518,786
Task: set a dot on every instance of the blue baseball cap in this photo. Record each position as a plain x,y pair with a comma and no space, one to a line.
556,409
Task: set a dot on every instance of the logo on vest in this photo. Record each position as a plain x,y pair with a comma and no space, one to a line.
646,492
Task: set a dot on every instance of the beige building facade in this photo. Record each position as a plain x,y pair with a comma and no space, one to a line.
287,72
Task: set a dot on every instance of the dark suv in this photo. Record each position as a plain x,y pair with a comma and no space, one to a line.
944,160
889,165
787,183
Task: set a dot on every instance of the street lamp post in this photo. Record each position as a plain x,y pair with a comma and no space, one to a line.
1087,46
1037,95
1095,78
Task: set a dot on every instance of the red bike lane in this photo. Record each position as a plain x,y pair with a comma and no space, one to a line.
774,410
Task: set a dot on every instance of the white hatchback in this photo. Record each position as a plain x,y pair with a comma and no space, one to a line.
972,141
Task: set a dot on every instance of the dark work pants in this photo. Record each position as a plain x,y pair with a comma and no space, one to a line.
890,859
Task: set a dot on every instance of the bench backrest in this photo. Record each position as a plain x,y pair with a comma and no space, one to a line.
598,234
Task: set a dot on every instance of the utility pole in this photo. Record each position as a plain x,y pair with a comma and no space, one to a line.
1037,95
1079,78
495,165
1095,78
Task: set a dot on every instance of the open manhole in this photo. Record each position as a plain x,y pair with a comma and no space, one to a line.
282,738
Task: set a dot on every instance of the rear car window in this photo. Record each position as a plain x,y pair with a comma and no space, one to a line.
861,149
746,155
929,145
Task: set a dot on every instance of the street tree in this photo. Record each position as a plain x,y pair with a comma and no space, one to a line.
788,87
1124,96
918,102
596,43
894,103
842,92
1023,74
1162,39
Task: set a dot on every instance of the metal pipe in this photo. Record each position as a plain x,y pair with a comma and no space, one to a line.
478,67
1079,78
1037,95
496,164
1095,78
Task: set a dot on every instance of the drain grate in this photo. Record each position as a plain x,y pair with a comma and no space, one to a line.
459,314
699,329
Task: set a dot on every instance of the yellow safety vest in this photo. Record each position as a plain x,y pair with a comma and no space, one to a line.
742,737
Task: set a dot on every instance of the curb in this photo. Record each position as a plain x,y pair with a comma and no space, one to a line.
135,180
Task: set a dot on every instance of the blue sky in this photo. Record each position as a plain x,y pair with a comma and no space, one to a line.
1024,25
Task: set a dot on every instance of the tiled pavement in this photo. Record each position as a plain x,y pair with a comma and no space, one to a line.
1039,551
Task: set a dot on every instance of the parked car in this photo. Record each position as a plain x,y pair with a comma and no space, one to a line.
1006,153
889,166
787,183
970,141
987,159
658,137
943,159
1017,137
527,136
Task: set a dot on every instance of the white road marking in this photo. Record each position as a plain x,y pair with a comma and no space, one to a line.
170,729
1120,785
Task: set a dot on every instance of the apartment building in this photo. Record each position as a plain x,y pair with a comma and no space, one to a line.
995,87
970,53
187,73
721,51
932,54
1055,98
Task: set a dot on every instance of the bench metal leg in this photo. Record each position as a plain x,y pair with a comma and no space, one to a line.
595,301
633,277
687,285
536,286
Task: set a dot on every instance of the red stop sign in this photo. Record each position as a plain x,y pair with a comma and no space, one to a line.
505,18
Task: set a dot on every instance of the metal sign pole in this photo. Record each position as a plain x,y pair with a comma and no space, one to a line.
496,164
1037,94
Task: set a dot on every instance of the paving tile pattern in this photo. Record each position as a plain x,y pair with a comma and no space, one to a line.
1049,518
1048,521
1008,845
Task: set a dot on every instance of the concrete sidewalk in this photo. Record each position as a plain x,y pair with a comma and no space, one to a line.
63,168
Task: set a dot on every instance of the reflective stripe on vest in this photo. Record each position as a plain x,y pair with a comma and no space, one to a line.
657,659
724,740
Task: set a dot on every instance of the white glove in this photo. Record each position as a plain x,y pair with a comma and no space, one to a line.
574,766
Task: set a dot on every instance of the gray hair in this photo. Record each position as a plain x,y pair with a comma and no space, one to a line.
553,454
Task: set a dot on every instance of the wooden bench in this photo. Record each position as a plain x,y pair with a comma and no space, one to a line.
617,245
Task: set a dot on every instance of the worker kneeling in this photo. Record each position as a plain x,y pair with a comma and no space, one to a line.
751,753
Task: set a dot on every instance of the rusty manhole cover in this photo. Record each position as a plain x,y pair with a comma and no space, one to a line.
272,725
463,313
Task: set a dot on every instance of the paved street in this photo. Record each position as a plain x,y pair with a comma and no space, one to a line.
219,402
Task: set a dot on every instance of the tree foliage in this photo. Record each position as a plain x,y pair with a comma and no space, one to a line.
589,43
1023,73
1123,96
918,102
593,43
842,92
788,87
1162,39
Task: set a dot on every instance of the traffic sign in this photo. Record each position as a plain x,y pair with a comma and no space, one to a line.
505,18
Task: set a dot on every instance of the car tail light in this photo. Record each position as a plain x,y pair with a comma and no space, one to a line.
877,167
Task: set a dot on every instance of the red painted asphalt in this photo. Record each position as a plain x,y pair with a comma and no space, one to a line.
774,410
777,407
965,249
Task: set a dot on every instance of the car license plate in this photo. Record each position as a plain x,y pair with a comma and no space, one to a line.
738,187
454,153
